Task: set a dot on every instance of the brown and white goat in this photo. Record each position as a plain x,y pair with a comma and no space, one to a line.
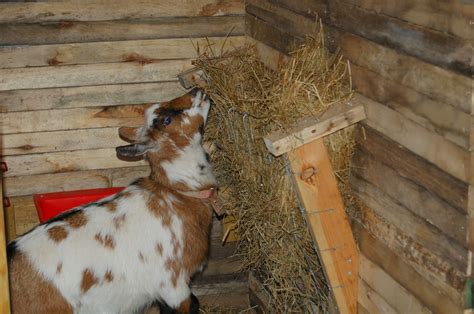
144,244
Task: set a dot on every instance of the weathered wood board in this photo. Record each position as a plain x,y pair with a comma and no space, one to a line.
4,287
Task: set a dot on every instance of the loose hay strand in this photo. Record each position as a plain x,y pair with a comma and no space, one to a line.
250,102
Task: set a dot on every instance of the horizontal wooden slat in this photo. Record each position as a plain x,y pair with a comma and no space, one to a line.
141,51
414,168
74,32
446,120
76,180
446,16
91,74
372,301
433,147
432,81
435,47
426,290
88,96
387,288
308,8
70,119
41,12
65,161
415,198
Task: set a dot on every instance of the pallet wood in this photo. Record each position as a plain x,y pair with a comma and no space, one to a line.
320,196
26,216
140,51
304,132
446,51
42,12
413,168
417,199
372,301
4,287
421,288
432,81
451,16
436,149
395,295
308,8
447,121
88,96
74,32
91,74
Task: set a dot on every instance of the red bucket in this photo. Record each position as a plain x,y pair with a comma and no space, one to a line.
49,205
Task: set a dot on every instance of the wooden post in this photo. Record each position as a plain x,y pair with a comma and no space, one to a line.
4,288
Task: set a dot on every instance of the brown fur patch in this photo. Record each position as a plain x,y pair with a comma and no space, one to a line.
159,248
59,268
107,240
57,233
29,290
174,267
185,306
175,243
111,206
109,277
119,221
88,280
77,220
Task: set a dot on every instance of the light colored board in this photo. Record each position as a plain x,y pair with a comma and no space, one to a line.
4,287
372,301
70,119
430,80
423,203
446,16
91,74
59,141
75,180
446,120
26,216
65,162
41,12
450,52
141,51
420,246
327,221
272,58
410,166
88,96
426,290
74,32
433,147
192,77
395,295
309,130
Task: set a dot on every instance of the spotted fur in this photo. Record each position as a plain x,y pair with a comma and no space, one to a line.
124,252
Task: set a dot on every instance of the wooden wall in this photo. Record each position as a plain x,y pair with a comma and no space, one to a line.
412,169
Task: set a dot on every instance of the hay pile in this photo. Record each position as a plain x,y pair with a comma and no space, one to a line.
250,102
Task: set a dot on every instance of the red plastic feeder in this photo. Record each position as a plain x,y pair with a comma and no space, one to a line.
49,205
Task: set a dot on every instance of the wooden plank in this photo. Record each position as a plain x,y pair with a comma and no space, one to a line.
281,142
308,8
91,74
372,301
88,96
75,180
446,16
70,119
415,246
432,81
26,216
413,168
415,198
75,32
447,51
325,213
421,288
433,147
141,51
192,77
272,58
394,294
446,120
65,162
4,287
41,12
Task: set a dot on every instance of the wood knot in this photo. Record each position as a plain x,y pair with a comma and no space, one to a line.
307,174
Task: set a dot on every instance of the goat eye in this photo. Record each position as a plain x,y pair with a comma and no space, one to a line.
167,120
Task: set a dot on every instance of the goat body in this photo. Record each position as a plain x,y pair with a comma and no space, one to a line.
124,252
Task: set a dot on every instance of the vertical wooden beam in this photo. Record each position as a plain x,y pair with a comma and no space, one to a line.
327,221
4,288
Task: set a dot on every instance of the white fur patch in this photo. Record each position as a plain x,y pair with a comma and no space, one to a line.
150,115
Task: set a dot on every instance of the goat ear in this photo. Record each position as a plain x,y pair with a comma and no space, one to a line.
129,134
132,151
